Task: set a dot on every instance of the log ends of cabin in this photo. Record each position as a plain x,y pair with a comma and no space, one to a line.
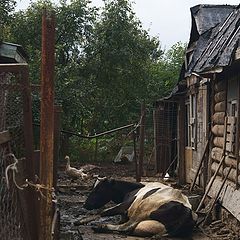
220,106
220,97
218,130
218,118
223,171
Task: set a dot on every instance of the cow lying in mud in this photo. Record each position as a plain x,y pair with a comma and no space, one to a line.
148,209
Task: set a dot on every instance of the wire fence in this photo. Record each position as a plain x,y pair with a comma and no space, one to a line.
11,119
166,137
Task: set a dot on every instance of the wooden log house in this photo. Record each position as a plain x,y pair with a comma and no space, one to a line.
208,99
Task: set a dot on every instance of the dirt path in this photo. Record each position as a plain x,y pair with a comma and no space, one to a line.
76,222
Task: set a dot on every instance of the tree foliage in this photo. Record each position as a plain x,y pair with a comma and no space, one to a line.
6,9
106,63
165,72
120,58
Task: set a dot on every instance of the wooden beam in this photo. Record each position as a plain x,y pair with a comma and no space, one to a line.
14,67
237,137
29,153
181,142
206,148
47,124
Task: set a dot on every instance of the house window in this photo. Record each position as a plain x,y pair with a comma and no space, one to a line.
191,128
233,108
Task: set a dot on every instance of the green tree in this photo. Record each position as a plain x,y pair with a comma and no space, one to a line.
119,58
165,72
73,30
106,64
6,9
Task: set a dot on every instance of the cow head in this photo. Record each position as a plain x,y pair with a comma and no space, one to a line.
101,194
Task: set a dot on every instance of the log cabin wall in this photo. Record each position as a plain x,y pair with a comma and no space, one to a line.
219,101
226,104
225,100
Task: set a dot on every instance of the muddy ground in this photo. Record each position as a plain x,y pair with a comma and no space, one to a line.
76,222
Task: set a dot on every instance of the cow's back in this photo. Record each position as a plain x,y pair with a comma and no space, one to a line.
144,204
165,204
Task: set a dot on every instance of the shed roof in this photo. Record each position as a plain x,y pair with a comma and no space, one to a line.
12,53
215,47
223,42
205,17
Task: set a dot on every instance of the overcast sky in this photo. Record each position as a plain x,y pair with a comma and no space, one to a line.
168,19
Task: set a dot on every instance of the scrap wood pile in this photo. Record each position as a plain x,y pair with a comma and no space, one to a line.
219,230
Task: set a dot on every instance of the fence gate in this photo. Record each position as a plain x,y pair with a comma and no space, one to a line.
17,209
165,131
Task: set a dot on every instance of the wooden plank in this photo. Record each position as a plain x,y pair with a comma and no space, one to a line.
230,147
217,196
211,183
29,153
201,162
181,142
220,165
231,128
47,123
230,138
4,137
13,67
237,149
231,120
230,199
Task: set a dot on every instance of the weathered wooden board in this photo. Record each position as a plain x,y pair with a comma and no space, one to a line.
188,163
230,197
231,120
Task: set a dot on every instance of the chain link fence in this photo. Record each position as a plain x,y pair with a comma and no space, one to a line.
11,119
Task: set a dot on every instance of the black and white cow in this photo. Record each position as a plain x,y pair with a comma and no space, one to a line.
149,209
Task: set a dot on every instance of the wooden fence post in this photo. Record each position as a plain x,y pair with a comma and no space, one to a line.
47,124
138,178
30,194
57,135
181,141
